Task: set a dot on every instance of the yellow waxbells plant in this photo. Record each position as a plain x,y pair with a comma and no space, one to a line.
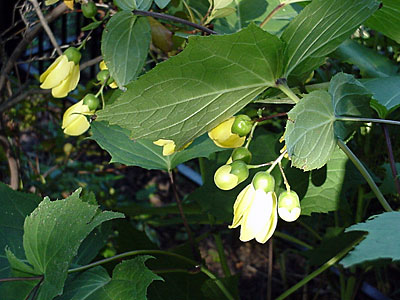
255,209
63,74
104,74
229,176
232,132
75,121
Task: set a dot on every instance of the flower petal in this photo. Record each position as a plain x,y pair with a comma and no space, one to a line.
243,200
223,136
266,232
78,126
73,113
58,74
50,68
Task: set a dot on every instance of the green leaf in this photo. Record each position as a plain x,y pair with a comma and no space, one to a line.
144,153
386,94
325,186
125,44
382,241
15,206
92,25
52,235
370,63
349,98
130,5
312,130
248,11
162,3
387,19
130,281
388,186
85,284
309,134
318,30
205,84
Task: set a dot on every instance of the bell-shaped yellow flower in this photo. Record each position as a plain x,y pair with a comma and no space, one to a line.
223,137
256,212
75,121
63,74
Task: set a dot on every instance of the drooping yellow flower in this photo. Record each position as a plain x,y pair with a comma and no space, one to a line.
169,146
75,121
103,67
256,212
63,74
223,137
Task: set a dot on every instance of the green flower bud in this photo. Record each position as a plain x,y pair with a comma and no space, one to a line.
91,101
89,9
103,75
243,154
229,176
73,54
289,206
242,125
264,181
240,169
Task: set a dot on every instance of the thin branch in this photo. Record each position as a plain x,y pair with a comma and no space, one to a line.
172,18
27,39
270,264
91,62
46,26
185,222
391,158
18,97
284,114
271,14
12,163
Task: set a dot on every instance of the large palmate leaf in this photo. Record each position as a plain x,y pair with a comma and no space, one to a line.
382,241
191,93
386,94
370,63
318,30
324,189
15,206
387,19
312,128
125,43
247,11
143,153
52,236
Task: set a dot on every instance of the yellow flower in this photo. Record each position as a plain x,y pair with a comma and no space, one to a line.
289,206
63,74
169,146
75,121
255,211
223,137
103,66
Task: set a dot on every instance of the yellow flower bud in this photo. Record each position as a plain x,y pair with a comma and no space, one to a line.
75,121
289,206
169,146
63,74
223,136
102,67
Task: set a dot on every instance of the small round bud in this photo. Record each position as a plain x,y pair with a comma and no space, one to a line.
73,54
289,206
91,101
89,9
264,181
103,75
224,179
243,154
240,169
242,125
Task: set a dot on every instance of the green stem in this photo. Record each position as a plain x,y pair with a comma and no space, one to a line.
156,252
271,14
285,181
292,239
282,85
280,157
259,166
367,120
324,267
251,135
360,206
221,254
365,174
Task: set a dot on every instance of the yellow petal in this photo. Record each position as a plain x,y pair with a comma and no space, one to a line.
68,84
58,74
223,136
73,113
50,68
103,66
113,85
289,216
243,201
79,126
266,232
224,180
69,4
168,146
74,77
